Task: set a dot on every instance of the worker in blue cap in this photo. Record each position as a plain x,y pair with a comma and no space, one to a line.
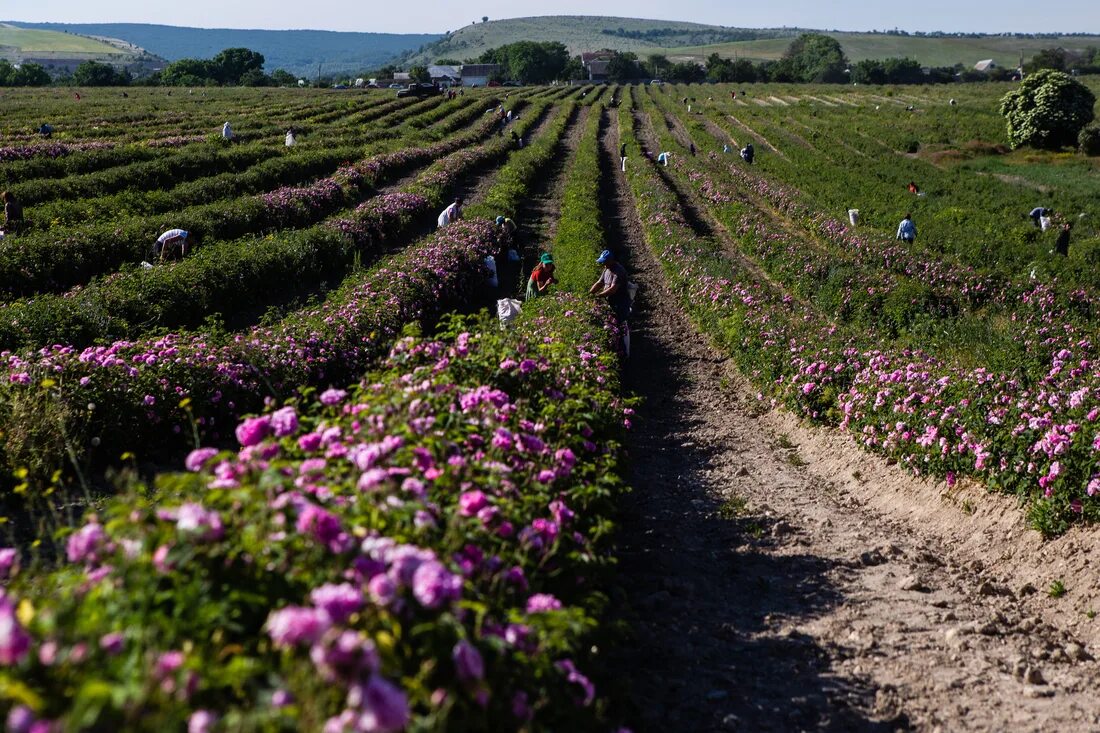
613,285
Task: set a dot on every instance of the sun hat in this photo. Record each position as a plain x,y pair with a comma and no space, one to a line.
546,259
604,257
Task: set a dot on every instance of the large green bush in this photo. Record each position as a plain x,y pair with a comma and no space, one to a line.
1089,140
1048,110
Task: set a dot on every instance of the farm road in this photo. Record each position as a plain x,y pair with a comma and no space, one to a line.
769,591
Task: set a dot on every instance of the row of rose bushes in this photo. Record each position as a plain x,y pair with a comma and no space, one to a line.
46,263
139,396
424,552
197,161
220,376
895,289
963,213
302,163
580,235
1035,438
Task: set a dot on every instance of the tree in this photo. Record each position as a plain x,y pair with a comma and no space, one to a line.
1048,110
903,71
7,73
657,63
420,74
869,71
255,78
95,74
531,62
283,78
815,58
186,72
1049,58
31,75
574,70
228,66
485,19
687,72
622,67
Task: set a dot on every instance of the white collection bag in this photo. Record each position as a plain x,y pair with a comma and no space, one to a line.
507,310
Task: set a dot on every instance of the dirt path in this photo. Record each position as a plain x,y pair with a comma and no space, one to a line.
770,590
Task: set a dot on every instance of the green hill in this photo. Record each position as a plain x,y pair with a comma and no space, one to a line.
297,51
681,41
19,43
583,33
928,50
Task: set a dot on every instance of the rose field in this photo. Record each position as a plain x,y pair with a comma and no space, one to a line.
304,478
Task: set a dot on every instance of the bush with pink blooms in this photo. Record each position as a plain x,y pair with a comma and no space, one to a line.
423,551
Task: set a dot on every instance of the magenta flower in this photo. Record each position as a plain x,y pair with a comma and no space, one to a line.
433,584
15,643
111,643
204,524
575,677
296,625
201,721
20,720
9,563
381,706
382,589
338,601
468,662
87,544
542,602
333,396
197,458
253,430
471,502
284,421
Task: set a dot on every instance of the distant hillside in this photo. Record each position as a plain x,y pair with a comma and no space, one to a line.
584,33
299,52
59,51
681,41
928,50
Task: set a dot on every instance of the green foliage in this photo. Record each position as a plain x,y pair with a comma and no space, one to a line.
737,71
624,67
815,58
1049,58
888,71
1089,140
530,62
27,75
580,237
230,65
420,74
95,74
1048,110
283,78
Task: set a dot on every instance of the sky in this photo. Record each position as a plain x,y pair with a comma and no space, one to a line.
437,16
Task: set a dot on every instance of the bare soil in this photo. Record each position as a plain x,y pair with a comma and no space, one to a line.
779,579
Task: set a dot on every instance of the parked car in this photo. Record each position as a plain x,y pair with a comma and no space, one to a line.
397,86
339,86
420,90
656,82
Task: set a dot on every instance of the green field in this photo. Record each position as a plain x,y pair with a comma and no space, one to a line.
16,42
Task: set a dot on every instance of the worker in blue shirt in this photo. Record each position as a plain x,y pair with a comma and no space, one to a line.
907,230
